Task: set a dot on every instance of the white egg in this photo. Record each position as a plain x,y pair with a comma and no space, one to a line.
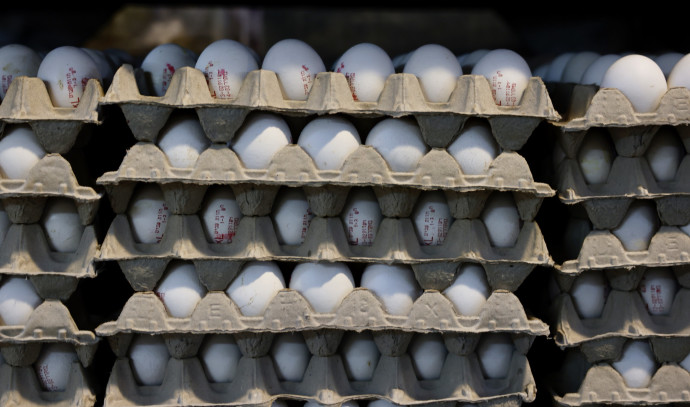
596,70
595,156
502,219
667,61
296,64
438,70
664,154
219,355
685,363
658,288
399,141
589,292
148,214
494,351
62,225
66,70
221,215
5,223
685,228
161,63
471,58
290,356
475,148
359,354
679,77
469,290
556,67
639,78
183,139
256,285
324,285
541,70
432,217
104,66
118,57
574,235
366,67
180,289
508,74
636,364
20,150
258,139
18,299
148,355
383,403
361,217
225,64
16,60
394,284
577,65
292,216
54,364
428,353
329,140
638,226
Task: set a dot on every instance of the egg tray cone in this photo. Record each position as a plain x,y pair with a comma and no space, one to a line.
261,90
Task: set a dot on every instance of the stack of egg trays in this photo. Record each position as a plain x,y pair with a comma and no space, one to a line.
625,317
25,250
255,190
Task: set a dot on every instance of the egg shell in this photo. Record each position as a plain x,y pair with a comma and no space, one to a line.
438,70
495,350
664,154
636,364
471,58
596,70
432,217
556,67
148,214
382,403
475,148
399,141
508,74
667,61
219,355
685,229
361,217
18,299
149,357
290,356
261,136
469,290
103,64
685,363
54,364
65,71
394,284
220,214
225,64
589,292
329,140
296,65
595,156
62,225
5,223
428,353
180,289
639,78
502,219
255,286
679,77
20,150
577,65
638,226
160,64
658,288
366,67
292,216
360,355
183,139
324,285
16,60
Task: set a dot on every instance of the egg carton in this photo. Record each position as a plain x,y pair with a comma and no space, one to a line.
330,93
325,240
291,166
57,128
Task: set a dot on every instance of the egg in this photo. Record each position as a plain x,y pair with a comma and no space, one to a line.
469,290
399,141
501,219
255,286
596,156
638,226
383,403
119,57
148,355
494,352
65,71
432,217
395,285
361,217
292,216
182,140
62,225
324,285
5,223
557,66
359,354
220,355
577,65
220,215
475,148
437,69
596,70
329,140
104,66
160,64
428,352
54,364
574,235
664,154
541,70
470,59
508,74
296,65
679,77
290,356
225,64
589,292
349,403
16,60
639,78
148,213
20,151
180,289
667,61
366,67
18,299
685,363
685,228
636,364
658,288
261,135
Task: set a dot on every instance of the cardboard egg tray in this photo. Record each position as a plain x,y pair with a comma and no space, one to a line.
330,93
